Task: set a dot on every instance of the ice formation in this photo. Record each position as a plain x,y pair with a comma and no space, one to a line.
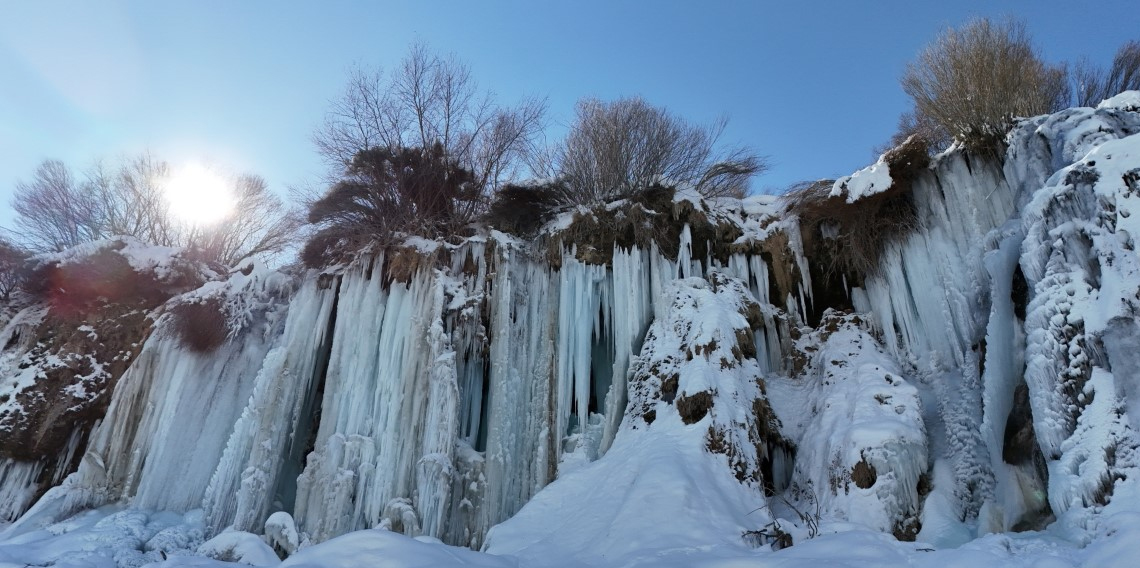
980,379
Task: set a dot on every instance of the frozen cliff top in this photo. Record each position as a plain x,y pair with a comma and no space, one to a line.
870,180
1128,100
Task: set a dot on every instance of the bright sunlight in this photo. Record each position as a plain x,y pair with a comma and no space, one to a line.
199,195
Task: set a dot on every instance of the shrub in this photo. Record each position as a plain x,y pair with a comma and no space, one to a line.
617,148
975,80
388,193
523,209
12,261
200,326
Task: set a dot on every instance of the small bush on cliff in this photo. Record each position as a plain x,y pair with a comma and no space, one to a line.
521,209
973,81
385,193
201,326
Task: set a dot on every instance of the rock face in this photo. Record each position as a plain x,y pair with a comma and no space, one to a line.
90,313
973,371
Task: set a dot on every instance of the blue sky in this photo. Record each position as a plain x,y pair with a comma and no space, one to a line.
812,85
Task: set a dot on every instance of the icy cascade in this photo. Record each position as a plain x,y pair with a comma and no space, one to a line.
523,435
943,298
694,431
266,447
930,299
390,409
1081,265
157,445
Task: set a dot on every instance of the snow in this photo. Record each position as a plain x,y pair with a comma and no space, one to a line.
1127,100
239,547
873,179
860,410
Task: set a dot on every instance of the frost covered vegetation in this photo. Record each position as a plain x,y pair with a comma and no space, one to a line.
929,362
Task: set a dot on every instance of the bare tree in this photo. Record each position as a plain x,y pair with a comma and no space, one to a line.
1092,84
12,260
53,212
56,211
429,100
619,147
131,199
260,224
975,80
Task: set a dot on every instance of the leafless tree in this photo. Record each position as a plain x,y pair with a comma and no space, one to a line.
973,81
619,147
131,199
12,260
429,100
261,224
55,210
1092,84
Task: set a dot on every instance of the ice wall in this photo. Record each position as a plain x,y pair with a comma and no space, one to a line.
435,388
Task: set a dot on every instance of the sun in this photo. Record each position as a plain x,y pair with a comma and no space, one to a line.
198,195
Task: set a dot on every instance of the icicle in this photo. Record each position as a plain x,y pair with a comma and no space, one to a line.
264,450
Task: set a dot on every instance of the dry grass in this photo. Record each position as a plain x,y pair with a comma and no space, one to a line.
694,407
649,217
849,238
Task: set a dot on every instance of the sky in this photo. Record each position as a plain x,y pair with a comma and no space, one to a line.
242,85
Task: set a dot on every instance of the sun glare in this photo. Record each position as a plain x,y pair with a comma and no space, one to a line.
198,195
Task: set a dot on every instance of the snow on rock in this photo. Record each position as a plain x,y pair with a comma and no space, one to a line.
1080,260
239,547
1127,100
873,179
862,448
281,532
